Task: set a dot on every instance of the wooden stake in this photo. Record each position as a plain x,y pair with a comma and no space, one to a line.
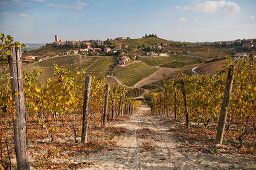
105,111
85,109
175,105
20,130
185,102
223,112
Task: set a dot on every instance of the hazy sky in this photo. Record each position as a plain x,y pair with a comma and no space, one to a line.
38,21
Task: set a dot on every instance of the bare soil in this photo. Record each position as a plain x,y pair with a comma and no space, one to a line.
156,76
151,142
211,67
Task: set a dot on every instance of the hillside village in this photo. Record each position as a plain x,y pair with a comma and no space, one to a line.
127,50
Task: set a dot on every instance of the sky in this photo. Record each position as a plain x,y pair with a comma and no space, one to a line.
37,21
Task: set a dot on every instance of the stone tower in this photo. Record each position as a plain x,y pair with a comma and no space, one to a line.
56,39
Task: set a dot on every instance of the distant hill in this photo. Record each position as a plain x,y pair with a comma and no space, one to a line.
46,50
33,46
149,41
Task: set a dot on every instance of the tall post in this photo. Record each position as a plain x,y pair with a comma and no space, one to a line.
20,130
223,112
85,109
120,105
112,109
161,112
130,108
165,103
105,111
175,105
124,110
152,106
185,102
113,103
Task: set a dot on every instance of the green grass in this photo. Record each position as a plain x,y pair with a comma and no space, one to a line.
155,61
65,61
100,67
181,61
133,73
95,66
203,51
69,62
150,41
172,61
61,61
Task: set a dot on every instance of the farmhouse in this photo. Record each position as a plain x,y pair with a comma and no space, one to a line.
163,55
107,50
151,53
120,38
239,55
28,59
123,60
71,52
84,50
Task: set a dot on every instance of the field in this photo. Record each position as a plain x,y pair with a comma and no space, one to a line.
160,74
100,67
150,41
70,62
211,67
204,51
133,73
155,61
172,61
181,61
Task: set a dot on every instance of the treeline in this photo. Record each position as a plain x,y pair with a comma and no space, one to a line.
150,35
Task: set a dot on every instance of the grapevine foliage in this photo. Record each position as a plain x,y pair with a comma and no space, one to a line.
205,94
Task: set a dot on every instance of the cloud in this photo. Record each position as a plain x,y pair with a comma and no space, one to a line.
212,6
78,5
37,0
24,15
183,19
252,17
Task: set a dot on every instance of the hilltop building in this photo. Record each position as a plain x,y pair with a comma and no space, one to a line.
56,39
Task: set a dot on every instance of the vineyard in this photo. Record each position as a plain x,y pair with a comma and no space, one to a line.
198,100
54,109
73,120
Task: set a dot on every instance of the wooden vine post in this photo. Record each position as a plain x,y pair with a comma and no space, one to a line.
175,105
223,112
130,108
20,130
112,108
85,109
105,109
185,102
113,103
152,106
165,103
120,105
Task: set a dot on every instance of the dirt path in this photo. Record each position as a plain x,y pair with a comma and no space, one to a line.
209,68
149,143
117,80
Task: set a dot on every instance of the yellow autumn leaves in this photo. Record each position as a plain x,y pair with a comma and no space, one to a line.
205,94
